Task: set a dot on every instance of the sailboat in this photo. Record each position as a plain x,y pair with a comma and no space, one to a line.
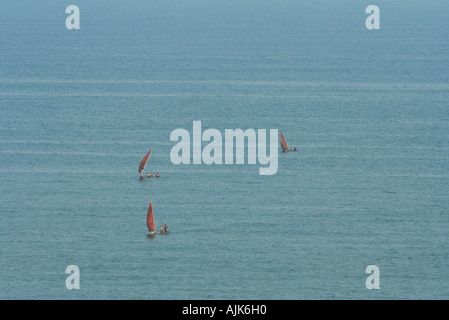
144,162
284,145
150,222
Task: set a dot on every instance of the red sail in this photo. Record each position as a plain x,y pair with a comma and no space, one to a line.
144,161
284,144
150,219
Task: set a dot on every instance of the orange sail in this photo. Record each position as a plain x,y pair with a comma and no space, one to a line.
150,218
144,161
284,144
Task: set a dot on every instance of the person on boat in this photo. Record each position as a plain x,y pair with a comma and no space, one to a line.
149,175
162,229
165,228
293,149
157,174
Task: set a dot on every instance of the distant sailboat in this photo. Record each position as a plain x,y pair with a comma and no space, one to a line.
144,162
284,145
150,220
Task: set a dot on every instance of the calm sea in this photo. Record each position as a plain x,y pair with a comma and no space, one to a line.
367,109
